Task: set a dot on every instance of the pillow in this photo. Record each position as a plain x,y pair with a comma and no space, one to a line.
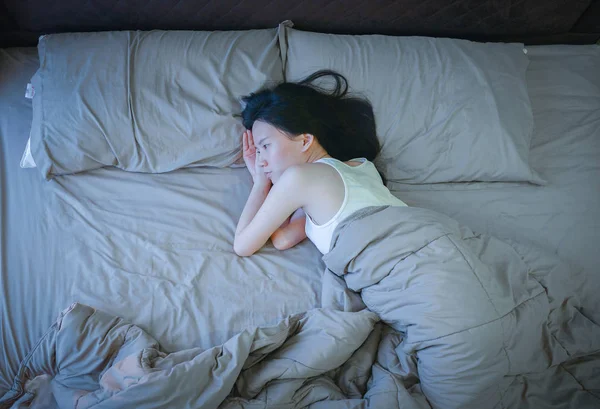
447,110
146,101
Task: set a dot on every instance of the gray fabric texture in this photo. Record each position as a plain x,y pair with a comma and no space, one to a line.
447,110
467,317
563,217
99,360
155,249
145,101
471,309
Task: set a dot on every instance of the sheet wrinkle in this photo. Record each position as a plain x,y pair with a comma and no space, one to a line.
477,326
133,43
504,348
412,253
474,273
553,335
18,386
583,388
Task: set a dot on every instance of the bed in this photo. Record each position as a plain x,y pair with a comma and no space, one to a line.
154,249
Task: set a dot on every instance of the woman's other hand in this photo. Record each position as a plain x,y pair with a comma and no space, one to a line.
260,178
252,160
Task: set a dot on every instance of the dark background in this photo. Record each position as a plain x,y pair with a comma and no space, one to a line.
529,21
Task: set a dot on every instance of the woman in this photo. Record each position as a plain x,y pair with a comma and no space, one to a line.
309,152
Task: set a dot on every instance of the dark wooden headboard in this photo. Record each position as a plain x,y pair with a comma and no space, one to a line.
529,21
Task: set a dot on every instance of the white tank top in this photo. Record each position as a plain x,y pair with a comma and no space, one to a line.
363,188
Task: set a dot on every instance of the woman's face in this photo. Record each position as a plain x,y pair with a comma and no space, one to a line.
275,151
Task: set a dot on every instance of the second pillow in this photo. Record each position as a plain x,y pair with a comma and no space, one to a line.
447,110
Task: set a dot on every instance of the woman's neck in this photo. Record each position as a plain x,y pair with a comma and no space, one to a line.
317,154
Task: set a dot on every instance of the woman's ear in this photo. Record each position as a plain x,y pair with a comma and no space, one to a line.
307,141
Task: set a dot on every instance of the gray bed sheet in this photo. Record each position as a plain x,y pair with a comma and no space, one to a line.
157,249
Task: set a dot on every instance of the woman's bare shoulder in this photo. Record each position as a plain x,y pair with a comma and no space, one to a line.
311,176
310,170
318,176
319,185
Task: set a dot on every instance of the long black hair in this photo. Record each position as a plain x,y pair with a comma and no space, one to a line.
344,125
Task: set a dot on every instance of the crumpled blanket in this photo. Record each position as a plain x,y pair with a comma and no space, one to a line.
101,361
465,323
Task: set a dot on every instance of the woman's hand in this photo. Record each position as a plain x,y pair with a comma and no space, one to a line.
253,162
249,152
260,178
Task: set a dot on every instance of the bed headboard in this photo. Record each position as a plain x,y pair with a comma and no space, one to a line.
529,21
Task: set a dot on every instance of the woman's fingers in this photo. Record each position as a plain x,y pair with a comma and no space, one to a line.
250,139
244,141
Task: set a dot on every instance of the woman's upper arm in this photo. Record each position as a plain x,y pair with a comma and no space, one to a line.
284,198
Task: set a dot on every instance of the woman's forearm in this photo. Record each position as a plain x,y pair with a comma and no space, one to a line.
258,194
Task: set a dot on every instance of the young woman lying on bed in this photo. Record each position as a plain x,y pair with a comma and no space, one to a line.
309,152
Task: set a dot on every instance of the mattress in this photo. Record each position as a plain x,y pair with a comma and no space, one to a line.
156,249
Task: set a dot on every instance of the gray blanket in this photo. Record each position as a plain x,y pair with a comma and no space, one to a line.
466,323
92,359
473,313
